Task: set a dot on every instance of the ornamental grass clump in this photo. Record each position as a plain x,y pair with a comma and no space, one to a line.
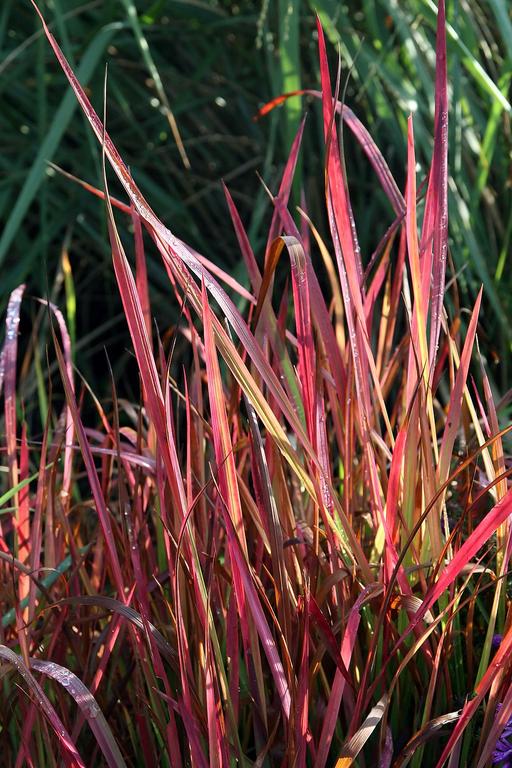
293,550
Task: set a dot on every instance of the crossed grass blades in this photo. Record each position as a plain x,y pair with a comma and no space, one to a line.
294,549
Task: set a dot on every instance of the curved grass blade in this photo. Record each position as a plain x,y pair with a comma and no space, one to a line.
353,747
364,138
68,436
179,259
70,753
87,705
111,604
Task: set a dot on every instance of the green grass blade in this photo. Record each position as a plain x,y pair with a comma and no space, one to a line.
61,120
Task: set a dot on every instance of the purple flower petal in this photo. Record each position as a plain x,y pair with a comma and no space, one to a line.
502,754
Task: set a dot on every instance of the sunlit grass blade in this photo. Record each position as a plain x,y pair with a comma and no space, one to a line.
228,486
454,408
88,707
9,369
353,747
437,193
69,752
286,521
364,138
67,349
467,551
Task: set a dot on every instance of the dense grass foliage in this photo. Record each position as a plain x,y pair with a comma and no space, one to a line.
213,64
291,547
205,57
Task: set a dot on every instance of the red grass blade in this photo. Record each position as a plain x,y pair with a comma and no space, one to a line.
338,688
454,408
10,357
302,697
418,356
111,604
500,660
69,436
462,557
101,508
364,138
221,437
219,757
23,526
336,183
142,345
141,274
178,258
263,486
87,705
285,186
70,753
243,242
305,344
234,523
437,193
